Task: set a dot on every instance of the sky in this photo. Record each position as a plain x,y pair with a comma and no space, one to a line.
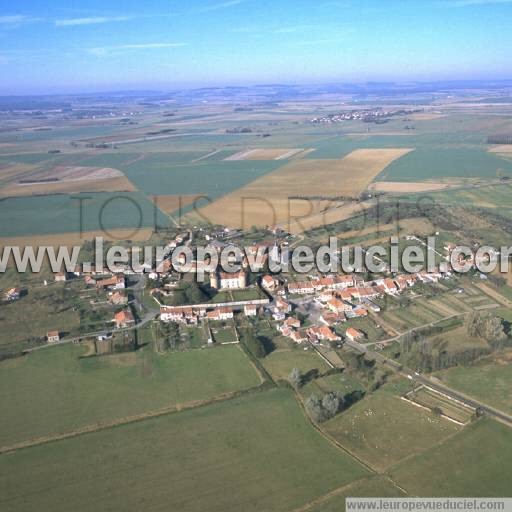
67,46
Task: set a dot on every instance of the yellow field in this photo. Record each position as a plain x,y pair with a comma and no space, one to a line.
69,239
266,201
110,185
265,154
501,148
426,116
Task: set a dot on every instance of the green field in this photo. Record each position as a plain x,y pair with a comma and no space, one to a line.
281,362
253,453
60,213
489,381
475,462
432,163
368,487
213,179
52,390
382,429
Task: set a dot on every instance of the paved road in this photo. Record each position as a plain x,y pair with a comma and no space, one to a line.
434,384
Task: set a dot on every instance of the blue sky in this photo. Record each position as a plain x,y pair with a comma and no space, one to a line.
67,46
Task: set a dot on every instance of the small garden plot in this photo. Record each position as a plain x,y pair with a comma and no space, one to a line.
367,325
456,303
408,317
192,337
442,404
341,382
428,307
395,321
281,362
440,306
224,334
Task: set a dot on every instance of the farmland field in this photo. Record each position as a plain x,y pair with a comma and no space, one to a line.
382,429
217,457
489,380
281,362
41,215
367,487
475,462
54,391
266,200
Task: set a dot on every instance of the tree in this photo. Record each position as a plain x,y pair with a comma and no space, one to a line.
295,378
331,404
315,409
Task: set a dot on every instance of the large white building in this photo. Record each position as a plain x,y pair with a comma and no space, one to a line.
228,280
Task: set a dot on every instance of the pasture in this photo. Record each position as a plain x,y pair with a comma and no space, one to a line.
55,390
477,461
366,487
281,362
382,429
488,380
257,452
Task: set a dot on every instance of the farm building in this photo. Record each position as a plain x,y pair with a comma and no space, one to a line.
124,319
53,336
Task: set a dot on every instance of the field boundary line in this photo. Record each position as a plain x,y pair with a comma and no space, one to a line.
156,413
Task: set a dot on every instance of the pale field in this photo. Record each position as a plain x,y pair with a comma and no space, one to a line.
266,201
10,172
265,154
426,116
406,187
75,238
70,180
171,203
501,148
109,185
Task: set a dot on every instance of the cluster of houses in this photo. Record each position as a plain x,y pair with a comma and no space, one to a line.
341,297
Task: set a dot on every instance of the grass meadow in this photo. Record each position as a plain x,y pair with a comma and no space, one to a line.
53,390
257,452
382,429
475,462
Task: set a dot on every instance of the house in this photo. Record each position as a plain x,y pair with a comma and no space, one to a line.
250,310
353,334
124,319
112,283
390,286
338,306
321,333
171,314
89,280
223,313
268,283
282,306
292,322
117,298
331,318
53,336
343,282
61,277
301,287
12,294
324,282
228,280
